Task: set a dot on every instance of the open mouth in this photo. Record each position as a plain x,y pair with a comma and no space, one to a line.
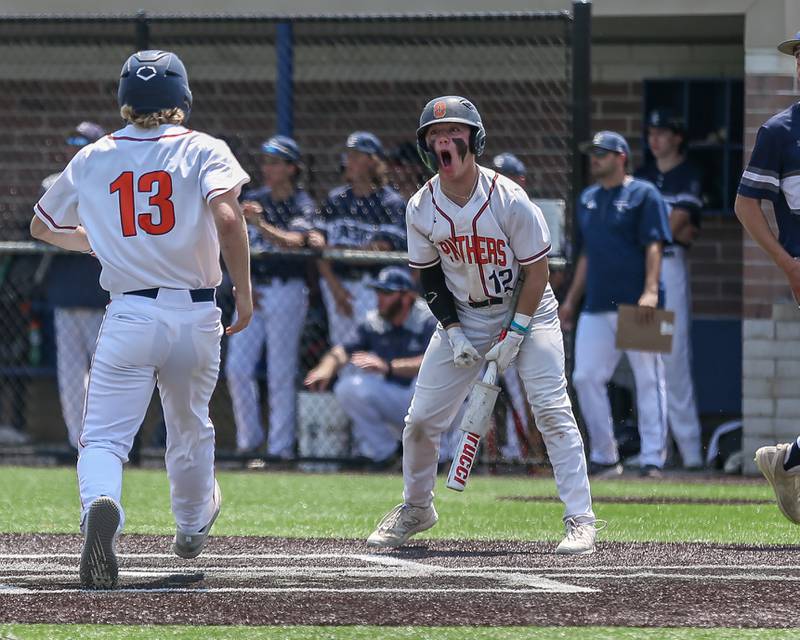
445,159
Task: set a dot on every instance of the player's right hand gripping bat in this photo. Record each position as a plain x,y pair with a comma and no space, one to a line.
475,422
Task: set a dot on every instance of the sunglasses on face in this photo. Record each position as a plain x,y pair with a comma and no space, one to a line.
601,153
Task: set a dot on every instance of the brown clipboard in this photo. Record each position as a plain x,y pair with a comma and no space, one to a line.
654,336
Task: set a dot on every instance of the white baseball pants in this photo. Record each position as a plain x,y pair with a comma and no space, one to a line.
376,407
441,389
342,328
277,322
684,423
76,337
596,357
175,343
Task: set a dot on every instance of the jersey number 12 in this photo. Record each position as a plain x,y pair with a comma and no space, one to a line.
158,181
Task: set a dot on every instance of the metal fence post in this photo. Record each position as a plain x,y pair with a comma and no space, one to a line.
142,31
284,85
581,103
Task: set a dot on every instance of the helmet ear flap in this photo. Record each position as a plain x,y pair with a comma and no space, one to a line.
477,140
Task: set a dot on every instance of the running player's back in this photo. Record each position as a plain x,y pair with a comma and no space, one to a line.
142,196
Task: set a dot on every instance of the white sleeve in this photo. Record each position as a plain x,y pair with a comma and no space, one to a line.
58,207
527,230
221,172
422,252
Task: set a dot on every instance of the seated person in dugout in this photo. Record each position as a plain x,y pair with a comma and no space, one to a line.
385,356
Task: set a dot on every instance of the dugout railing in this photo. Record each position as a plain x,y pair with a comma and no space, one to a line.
315,78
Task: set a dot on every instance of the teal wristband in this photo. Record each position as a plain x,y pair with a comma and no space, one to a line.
518,328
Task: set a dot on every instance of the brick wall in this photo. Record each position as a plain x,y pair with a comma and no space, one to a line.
716,258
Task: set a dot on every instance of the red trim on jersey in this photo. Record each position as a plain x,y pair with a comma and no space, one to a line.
50,218
423,265
475,231
534,257
446,217
166,135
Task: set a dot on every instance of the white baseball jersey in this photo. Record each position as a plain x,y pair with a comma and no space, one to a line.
142,196
481,245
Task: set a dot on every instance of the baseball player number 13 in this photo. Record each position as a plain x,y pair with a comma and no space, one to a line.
161,199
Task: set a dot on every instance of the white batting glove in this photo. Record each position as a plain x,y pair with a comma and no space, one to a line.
506,350
464,354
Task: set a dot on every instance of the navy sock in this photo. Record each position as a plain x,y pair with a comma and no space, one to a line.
794,457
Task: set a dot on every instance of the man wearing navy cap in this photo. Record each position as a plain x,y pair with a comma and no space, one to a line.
774,174
510,166
366,213
73,289
679,182
386,355
279,216
621,227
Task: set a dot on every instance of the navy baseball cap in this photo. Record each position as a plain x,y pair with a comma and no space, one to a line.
608,140
365,142
282,147
790,46
508,164
666,119
85,133
394,279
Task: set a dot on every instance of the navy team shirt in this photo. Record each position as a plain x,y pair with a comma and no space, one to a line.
614,227
295,214
350,221
384,339
774,174
680,187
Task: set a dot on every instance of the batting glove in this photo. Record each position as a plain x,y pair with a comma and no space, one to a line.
464,354
506,350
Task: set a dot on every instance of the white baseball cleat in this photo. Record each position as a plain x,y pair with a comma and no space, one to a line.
580,537
400,524
786,485
99,568
190,545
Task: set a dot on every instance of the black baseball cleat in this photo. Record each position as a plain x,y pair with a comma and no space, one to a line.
99,568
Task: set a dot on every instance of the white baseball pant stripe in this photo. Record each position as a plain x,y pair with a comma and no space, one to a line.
342,328
596,357
376,408
516,397
277,322
684,423
175,343
76,337
441,388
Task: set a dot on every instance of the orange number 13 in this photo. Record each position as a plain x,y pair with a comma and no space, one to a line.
161,182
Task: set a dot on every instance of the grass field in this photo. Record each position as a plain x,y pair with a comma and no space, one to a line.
348,506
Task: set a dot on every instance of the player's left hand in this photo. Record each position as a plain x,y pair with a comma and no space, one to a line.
504,352
369,362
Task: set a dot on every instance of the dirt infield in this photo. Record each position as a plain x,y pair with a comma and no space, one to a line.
282,581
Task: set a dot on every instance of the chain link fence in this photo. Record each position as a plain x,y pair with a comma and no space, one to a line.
318,80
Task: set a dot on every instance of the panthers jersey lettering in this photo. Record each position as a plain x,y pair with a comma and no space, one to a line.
480,245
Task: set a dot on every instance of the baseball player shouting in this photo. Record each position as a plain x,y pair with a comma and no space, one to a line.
155,202
470,233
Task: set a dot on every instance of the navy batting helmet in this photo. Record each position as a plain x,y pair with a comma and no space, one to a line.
509,165
450,109
154,80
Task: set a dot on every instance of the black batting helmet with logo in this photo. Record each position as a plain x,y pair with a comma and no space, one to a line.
154,80
450,109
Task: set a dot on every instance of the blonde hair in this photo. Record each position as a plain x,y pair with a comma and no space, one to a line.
173,115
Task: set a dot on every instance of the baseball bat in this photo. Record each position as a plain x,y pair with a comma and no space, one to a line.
475,421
